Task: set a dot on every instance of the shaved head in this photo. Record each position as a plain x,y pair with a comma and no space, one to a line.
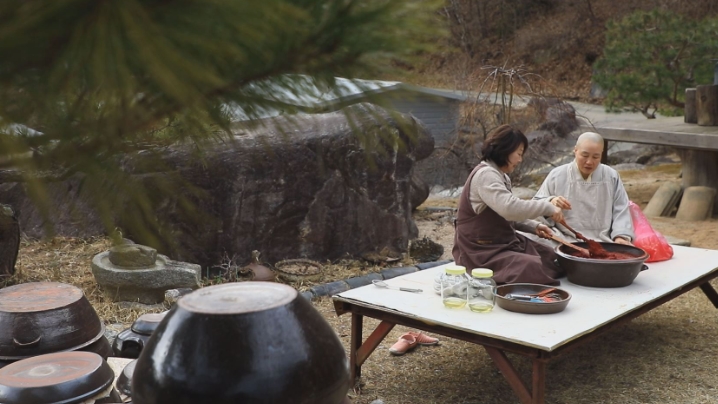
588,152
592,137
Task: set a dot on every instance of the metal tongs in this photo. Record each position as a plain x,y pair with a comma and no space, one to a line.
384,285
545,296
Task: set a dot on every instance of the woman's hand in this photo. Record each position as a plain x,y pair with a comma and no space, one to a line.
621,240
561,202
543,231
557,215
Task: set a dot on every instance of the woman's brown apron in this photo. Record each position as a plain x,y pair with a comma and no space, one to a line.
487,240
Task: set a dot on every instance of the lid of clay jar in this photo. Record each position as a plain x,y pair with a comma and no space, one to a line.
147,323
61,377
238,298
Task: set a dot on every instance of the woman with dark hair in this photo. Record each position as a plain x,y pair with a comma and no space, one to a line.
489,215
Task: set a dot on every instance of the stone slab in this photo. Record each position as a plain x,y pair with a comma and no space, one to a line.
696,204
398,271
677,241
427,265
664,200
307,295
358,281
330,289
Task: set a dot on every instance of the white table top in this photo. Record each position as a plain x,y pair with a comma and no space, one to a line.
588,309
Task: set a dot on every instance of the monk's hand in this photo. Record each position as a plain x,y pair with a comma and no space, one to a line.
557,215
621,240
543,231
561,202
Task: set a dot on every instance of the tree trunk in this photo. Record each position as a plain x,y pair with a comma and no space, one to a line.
590,11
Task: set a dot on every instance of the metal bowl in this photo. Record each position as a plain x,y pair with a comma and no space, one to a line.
600,273
520,306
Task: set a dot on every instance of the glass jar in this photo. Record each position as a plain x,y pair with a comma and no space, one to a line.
481,290
454,287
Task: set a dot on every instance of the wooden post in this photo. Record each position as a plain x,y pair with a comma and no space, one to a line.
604,153
707,105
699,167
689,114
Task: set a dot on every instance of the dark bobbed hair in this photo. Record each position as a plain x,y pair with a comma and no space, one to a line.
501,142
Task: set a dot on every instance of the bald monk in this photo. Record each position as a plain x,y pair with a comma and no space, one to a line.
591,194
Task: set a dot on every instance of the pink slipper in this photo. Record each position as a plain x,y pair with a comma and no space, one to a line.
406,343
423,339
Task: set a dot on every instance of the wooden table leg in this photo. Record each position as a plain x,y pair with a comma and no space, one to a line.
356,339
538,381
512,376
711,293
373,341
360,351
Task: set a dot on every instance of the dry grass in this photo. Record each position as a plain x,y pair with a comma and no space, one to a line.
67,260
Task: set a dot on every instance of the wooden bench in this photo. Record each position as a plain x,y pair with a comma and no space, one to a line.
697,145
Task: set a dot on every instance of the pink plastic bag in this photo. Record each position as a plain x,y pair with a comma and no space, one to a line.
648,239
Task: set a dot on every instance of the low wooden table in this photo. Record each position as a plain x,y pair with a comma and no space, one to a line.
590,313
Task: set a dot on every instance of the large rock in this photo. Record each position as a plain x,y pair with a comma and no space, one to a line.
323,188
419,191
556,116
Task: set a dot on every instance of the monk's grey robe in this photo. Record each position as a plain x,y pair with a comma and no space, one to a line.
599,204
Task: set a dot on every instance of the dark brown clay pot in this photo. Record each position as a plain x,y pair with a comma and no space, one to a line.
101,347
259,272
124,380
600,273
246,342
130,342
44,317
63,377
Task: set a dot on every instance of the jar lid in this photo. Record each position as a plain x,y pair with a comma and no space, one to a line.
482,273
60,377
455,270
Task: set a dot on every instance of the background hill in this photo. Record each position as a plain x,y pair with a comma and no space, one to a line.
554,41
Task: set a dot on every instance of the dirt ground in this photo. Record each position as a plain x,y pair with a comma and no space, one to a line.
664,356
